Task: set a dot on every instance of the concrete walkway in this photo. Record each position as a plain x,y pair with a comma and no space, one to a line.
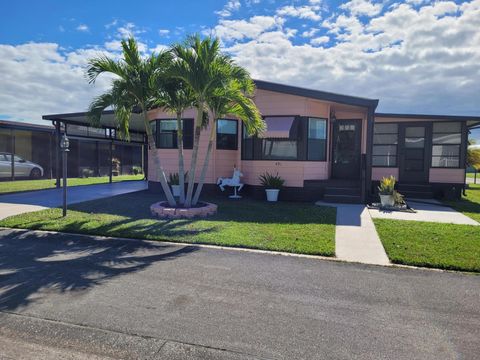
14,204
430,212
356,238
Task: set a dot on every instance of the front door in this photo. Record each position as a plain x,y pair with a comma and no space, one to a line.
413,153
346,152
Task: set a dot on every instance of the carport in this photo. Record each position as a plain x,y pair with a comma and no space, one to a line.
77,126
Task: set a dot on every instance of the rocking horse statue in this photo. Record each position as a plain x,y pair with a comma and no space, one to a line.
233,182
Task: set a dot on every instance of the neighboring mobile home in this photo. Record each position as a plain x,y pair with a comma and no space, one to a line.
326,146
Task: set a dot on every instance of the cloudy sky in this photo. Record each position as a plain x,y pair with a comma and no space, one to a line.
416,56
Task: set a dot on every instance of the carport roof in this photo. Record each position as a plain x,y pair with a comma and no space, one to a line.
107,120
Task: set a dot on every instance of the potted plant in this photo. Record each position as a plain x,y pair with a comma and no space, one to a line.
272,184
386,190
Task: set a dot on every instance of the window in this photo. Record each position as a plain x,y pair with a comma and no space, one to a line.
446,144
385,145
88,131
279,149
317,135
227,134
165,133
247,145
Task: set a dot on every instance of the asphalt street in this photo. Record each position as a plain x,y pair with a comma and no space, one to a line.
136,299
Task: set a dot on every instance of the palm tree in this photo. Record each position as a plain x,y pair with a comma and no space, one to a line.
234,100
201,65
176,97
132,88
198,63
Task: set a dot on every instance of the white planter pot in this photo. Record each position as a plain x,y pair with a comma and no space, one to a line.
176,190
272,194
387,200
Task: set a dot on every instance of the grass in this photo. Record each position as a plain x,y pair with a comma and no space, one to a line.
444,246
290,227
28,185
470,204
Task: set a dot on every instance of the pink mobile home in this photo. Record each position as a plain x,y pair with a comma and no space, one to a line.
324,145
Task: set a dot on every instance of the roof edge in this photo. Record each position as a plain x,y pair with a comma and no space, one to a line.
429,116
316,94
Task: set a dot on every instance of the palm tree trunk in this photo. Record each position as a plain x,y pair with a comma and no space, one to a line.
181,168
201,181
156,160
193,164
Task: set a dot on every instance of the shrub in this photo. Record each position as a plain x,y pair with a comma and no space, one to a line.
271,181
86,172
137,170
174,178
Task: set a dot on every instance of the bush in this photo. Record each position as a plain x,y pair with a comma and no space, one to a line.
271,181
174,178
137,170
86,172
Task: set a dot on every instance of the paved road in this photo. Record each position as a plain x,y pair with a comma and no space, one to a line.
13,204
260,305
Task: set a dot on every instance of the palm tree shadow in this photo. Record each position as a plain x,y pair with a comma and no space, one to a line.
32,263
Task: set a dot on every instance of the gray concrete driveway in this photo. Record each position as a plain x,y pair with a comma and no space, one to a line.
13,204
144,299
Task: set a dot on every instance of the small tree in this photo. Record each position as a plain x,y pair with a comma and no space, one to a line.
473,155
133,87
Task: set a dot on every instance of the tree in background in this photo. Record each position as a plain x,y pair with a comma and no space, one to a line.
473,155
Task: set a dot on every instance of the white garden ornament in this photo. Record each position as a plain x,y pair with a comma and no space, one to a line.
233,182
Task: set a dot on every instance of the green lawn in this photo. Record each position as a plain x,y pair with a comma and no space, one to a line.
444,246
291,227
27,185
470,204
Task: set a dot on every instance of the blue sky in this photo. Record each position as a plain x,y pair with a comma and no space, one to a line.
416,56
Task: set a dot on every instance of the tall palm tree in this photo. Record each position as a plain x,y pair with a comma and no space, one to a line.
198,63
201,65
234,99
175,97
132,88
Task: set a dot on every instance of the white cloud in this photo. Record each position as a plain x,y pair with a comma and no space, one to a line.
362,7
310,33
83,28
230,7
422,59
229,30
39,79
310,12
320,40
114,22
163,32
129,30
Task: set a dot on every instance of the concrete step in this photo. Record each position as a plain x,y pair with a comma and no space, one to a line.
343,191
345,199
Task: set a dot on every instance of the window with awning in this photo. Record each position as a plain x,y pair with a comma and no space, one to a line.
278,126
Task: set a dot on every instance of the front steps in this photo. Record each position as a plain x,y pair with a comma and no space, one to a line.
415,191
343,194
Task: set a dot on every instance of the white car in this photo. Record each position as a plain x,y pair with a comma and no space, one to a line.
23,168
